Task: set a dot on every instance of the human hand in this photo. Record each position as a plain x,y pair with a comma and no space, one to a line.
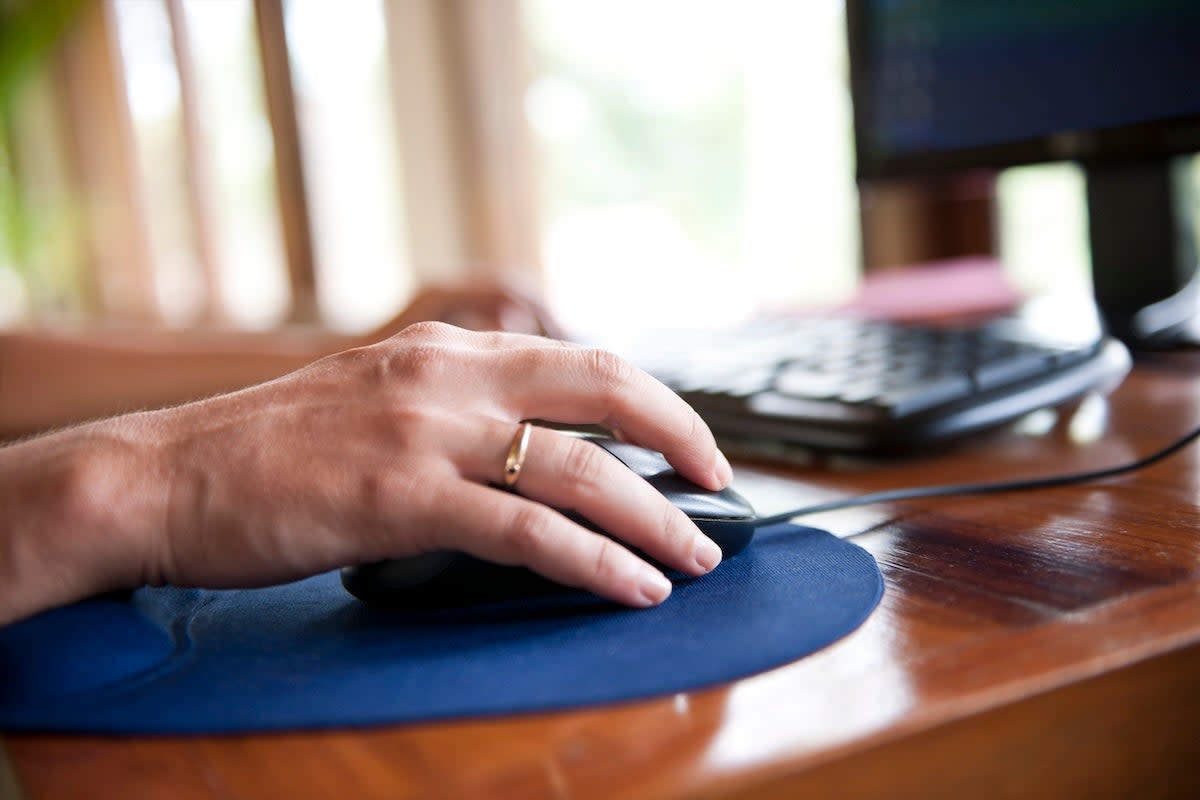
479,305
386,451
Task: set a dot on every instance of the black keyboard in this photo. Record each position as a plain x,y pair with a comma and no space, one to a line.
849,384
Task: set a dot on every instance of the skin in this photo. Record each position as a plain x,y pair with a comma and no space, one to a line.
68,376
379,451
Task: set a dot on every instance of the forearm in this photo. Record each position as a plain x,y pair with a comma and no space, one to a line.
54,378
80,509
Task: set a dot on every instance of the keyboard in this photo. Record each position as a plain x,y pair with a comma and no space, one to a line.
871,386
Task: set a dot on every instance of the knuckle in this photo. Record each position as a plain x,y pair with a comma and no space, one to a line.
611,372
604,565
585,466
492,340
427,330
527,530
668,521
676,534
411,363
697,432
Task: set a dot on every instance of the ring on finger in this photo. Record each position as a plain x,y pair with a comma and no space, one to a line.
516,456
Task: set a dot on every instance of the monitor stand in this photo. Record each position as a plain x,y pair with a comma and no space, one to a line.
1141,220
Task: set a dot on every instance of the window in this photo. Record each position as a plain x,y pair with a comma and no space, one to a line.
236,138
1043,228
697,151
693,161
145,139
339,63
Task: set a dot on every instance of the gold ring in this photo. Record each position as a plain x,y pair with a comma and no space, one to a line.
516,455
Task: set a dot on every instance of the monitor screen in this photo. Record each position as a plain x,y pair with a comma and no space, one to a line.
952,84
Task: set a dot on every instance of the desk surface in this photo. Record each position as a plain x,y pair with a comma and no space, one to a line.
1045,641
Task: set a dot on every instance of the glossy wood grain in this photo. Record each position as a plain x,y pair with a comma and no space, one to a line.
1042,642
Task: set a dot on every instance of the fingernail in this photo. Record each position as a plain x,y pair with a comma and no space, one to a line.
707,554
655,586
723,470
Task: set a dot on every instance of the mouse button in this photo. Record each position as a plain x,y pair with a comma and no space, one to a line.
700,503
731,536
643,462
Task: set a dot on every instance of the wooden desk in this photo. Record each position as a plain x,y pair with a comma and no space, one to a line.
1040,643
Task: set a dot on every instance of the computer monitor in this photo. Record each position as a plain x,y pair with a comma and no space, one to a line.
951,85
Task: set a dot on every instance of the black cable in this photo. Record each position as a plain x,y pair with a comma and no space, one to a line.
994,487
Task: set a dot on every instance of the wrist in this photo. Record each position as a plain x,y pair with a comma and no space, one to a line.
86,504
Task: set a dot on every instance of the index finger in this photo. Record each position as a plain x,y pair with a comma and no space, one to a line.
592,386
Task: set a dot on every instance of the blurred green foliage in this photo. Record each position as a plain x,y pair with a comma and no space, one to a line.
29,30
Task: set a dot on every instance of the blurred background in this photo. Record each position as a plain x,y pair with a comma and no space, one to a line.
253,163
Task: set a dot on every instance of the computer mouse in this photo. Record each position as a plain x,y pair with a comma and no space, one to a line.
450,578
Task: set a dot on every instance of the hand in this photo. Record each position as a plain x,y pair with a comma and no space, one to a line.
386,451
128,369
480,305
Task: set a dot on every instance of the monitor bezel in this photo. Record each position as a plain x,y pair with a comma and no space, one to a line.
1147,141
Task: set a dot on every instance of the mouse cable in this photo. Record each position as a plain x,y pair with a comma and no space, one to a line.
993,487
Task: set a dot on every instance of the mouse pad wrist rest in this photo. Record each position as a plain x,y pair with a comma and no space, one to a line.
308,655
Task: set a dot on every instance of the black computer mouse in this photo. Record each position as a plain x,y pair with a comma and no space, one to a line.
449,578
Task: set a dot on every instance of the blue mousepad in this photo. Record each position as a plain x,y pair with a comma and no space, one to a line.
308,655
